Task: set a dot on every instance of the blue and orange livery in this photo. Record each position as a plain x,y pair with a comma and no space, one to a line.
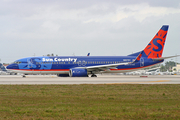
155,48
83,66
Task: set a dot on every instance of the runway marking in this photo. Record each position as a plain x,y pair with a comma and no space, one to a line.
140,82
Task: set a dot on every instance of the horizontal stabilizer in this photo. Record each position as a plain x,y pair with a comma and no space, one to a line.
162,58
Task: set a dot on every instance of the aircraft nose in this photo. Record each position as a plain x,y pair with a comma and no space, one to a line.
12,66
9,66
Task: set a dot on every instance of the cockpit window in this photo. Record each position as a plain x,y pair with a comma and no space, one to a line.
17,62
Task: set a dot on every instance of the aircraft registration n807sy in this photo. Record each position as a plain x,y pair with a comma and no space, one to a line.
83,66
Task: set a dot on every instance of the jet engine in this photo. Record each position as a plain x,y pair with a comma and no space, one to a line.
77,72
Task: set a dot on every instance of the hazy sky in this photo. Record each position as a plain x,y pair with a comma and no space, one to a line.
101,27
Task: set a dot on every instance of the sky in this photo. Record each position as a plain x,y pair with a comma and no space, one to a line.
77,27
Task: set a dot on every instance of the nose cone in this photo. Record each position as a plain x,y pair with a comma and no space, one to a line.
9,66
12,66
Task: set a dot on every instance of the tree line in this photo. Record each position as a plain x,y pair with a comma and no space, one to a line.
168,66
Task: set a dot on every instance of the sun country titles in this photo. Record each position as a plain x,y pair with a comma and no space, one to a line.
59,59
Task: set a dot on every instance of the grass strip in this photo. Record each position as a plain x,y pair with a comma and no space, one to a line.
126,101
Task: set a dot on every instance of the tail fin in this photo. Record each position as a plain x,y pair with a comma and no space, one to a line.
2,68
155,48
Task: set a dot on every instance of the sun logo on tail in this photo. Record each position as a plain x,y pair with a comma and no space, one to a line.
155,48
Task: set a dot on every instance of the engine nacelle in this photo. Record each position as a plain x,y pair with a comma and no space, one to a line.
77,72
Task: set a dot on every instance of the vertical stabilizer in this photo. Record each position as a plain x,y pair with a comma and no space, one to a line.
155,48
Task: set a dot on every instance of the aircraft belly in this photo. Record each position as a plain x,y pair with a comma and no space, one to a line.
120,71
54,72
127,69
22,71
40,72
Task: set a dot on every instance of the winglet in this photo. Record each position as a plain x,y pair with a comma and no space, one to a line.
88,54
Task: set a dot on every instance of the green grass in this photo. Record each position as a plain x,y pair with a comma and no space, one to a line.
90,102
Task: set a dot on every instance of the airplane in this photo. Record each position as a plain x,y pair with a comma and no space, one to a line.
4,71
83,66
2,68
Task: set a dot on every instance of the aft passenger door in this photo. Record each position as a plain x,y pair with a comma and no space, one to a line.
141,62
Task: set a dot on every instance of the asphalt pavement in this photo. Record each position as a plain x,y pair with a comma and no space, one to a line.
100,79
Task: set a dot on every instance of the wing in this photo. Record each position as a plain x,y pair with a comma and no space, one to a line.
104,67
107,67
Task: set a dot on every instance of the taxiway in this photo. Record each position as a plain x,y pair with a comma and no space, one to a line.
101,79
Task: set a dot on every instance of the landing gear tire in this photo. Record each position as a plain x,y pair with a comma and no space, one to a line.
23,76
93,75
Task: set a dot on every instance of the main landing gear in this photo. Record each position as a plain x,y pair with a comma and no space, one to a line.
23,76
93,75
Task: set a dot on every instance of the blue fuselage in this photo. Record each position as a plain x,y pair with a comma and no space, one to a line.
62,65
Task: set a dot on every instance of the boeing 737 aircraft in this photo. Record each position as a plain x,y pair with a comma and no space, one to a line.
83,66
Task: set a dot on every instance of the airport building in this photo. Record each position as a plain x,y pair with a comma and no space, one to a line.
176,68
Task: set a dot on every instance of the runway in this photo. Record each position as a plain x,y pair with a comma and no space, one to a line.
101,79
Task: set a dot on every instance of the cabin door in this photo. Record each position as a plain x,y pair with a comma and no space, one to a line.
141,62
82,63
